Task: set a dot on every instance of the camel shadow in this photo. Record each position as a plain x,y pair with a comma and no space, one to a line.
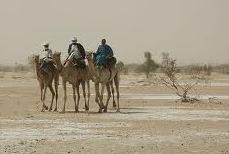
110,111
131,110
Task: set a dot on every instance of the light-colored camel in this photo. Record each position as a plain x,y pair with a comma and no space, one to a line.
45,80
75,76
105,77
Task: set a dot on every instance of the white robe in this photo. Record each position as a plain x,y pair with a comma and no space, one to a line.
46,55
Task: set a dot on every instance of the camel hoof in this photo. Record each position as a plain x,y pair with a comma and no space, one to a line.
62,112
103,107
118,110
100,111
76,110
42,110
50,109
46,107
86,108
114,105
55,110
105,110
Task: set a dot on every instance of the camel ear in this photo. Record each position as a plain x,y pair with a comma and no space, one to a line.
36,57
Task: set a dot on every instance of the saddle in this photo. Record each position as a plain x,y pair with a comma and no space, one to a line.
111,61
109,64
48,66
79,63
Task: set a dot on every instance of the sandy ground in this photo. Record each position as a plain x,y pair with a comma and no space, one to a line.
149,122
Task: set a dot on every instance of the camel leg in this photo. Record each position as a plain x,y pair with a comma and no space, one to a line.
42,88
113,96
108,96
44,107
65,96
101,95
97,96
116,81
56,90
84,95
74,96
78,98
53,95
88,93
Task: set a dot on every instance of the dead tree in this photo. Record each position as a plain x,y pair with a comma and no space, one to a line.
171,79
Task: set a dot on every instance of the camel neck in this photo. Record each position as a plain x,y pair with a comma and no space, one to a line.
37,67
59,65
92,68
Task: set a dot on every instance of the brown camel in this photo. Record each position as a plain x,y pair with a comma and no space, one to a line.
105,77
45,80
75,76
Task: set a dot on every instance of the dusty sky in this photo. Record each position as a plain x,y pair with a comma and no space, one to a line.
191,30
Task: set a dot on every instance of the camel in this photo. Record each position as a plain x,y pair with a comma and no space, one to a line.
105,77
45,81
75,76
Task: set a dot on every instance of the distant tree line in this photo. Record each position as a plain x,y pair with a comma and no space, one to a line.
15,68
147,67
150,66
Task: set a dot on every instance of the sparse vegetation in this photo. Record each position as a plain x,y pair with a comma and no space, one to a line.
197,69
149,65
223,68
171,79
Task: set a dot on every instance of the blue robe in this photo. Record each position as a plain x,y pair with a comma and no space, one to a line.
102,53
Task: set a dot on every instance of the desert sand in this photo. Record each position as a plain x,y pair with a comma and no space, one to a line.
150,121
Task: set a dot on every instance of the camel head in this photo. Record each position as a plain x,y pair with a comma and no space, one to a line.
57,59
89,55
36,59
56,56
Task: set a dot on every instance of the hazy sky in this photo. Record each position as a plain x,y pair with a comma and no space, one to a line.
191,30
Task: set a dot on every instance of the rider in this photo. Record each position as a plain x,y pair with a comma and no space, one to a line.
46,56
104,55
76,51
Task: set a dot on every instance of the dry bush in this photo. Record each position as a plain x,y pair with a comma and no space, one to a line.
172,80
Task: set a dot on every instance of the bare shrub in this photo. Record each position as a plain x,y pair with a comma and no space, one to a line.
172,80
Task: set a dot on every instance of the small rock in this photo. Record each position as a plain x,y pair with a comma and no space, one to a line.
21,142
